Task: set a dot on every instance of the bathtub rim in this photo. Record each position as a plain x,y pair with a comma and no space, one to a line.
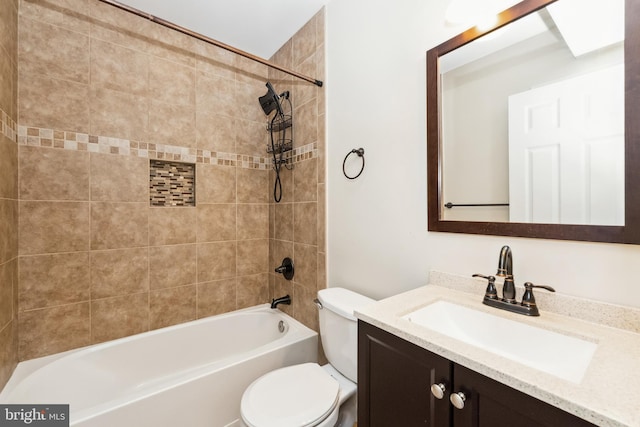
25,368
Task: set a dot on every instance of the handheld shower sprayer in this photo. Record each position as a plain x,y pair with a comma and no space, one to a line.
271,101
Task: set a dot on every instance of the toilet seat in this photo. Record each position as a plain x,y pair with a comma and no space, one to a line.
296,396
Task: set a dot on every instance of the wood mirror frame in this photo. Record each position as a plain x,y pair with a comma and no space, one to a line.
628,233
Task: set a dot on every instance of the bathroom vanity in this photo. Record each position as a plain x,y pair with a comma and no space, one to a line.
396,378
408,373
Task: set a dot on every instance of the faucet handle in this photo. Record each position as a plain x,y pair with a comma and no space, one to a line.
528,300
490,292
286,268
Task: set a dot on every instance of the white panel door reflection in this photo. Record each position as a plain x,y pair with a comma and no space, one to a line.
566,151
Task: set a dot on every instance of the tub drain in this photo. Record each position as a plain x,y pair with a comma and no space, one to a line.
281,326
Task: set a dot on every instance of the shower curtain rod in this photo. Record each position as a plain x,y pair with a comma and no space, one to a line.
209,40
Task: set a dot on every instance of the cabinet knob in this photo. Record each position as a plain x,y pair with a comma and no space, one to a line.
457,399
438,390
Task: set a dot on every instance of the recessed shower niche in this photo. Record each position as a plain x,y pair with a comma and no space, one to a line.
172,183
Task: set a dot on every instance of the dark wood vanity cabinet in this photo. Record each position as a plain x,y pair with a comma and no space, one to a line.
394,380
394,389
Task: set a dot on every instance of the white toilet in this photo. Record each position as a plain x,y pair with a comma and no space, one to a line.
310,395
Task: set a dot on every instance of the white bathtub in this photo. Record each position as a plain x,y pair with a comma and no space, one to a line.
188,375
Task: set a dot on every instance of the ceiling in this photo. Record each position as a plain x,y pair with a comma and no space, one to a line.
259,27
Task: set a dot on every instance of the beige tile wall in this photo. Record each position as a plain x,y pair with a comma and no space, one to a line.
101,92
8,189
297,227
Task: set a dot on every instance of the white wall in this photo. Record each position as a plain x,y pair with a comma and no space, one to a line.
378,242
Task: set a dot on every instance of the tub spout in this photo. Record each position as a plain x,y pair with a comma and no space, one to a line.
282,300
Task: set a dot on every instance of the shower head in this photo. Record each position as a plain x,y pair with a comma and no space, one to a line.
270,101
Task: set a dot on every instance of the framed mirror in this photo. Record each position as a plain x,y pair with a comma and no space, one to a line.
533,125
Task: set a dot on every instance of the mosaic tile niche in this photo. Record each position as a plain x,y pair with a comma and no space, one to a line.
172,183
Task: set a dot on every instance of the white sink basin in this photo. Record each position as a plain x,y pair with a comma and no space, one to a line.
561,355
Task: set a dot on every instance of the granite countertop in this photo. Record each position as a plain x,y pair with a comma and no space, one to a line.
609,392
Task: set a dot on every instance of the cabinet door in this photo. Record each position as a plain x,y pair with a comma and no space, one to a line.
492,404
394,382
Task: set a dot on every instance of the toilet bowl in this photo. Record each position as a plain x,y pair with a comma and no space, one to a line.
307,395
310,395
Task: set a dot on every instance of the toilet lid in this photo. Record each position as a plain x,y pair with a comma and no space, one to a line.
295,396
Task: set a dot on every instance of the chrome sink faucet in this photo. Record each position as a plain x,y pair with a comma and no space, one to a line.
508,301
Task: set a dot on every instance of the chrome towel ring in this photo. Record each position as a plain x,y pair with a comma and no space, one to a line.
360,153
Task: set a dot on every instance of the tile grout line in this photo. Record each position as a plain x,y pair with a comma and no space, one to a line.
90,254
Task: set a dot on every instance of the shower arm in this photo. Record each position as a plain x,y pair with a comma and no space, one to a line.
209,40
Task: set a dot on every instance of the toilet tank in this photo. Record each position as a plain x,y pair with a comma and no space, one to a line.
339,328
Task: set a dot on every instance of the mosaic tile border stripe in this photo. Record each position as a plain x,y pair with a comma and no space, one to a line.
8,127
41,137
306,152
